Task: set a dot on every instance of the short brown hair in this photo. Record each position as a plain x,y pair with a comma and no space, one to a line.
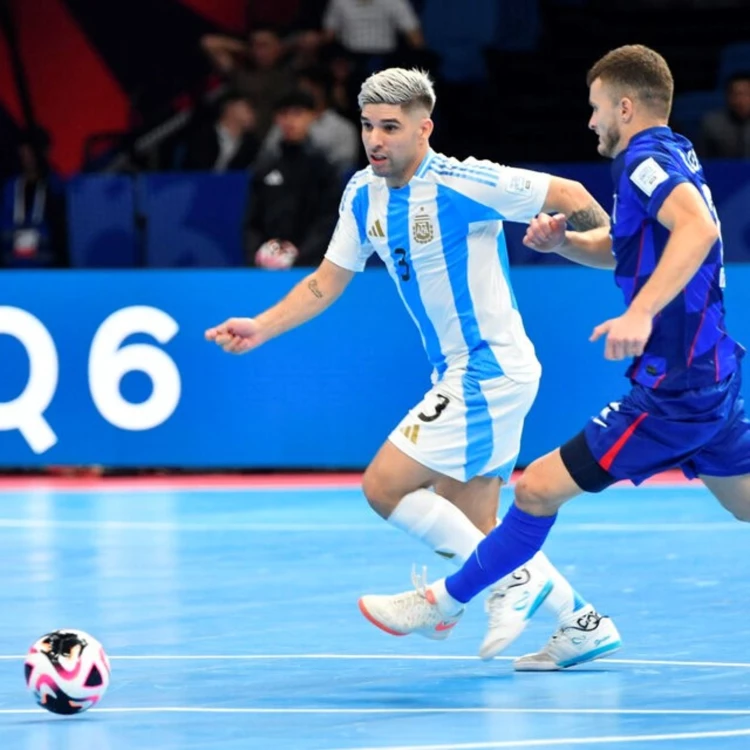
639,71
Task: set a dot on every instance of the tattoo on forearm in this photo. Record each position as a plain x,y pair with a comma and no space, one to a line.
589,218
312,285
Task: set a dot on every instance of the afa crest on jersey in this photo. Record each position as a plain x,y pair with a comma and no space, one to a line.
422,230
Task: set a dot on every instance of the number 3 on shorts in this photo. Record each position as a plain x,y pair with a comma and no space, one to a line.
442,402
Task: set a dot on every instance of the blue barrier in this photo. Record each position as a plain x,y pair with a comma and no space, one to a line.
102,222
111,367
196,219
193,219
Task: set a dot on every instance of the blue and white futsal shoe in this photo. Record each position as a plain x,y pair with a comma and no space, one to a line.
591,637
510,605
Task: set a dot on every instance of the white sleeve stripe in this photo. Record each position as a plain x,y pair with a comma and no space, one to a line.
470,178
469,173
476,168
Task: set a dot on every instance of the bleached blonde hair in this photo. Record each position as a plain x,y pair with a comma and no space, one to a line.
407,88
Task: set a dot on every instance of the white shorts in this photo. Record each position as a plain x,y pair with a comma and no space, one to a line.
464,428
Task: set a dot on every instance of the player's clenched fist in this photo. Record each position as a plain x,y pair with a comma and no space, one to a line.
545,233
237,335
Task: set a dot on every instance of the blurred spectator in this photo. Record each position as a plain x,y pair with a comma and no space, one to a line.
294,193
310,16
303,48
344,86
306,38
33,226
228,143
256,69
726,132
369,29
333,134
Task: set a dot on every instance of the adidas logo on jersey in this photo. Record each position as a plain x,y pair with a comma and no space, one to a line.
411,432
376,230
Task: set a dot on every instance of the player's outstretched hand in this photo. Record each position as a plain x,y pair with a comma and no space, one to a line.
237,335
627,335
545,233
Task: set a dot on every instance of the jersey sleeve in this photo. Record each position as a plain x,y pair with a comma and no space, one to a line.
651,178
515,194
349,247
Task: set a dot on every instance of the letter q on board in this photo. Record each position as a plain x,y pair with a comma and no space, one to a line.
109,362
25,413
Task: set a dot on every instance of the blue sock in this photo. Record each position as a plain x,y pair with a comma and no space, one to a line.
514,542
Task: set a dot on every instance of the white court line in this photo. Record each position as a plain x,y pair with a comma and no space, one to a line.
208,527
140,486
7,493
391,657
572,741
398,711
105,493
33,523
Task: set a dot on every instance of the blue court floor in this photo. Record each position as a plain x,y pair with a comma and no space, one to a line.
231,619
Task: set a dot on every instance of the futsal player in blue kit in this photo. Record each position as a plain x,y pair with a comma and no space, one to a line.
437,224
684,408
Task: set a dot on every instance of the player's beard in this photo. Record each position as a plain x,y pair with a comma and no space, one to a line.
609,141
391,170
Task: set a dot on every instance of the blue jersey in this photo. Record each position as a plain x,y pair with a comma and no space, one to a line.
689,347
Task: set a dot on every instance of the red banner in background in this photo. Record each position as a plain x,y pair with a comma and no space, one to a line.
8,93
229,14
72,91
78,68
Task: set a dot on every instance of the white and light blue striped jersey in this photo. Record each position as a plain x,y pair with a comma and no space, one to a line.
441,238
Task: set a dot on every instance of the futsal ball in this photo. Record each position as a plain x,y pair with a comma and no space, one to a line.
67,671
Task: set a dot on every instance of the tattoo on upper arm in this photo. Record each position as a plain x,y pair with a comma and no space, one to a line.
312,285
590,217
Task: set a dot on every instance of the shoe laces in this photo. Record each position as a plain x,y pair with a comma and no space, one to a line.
419,580
407,599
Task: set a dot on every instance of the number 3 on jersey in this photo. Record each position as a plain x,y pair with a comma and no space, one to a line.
403,269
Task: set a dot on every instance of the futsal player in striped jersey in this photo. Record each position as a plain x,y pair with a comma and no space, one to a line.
437,224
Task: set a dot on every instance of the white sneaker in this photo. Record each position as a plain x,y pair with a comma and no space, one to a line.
509,607
412,612
592,637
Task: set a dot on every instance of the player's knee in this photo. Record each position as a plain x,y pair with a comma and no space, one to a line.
531,494
376,492
486,522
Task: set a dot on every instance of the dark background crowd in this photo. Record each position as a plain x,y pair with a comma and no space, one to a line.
269,89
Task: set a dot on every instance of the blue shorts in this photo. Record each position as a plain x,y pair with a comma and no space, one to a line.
701,431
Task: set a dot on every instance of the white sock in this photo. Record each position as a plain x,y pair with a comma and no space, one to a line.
564,602
438,523
449,606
